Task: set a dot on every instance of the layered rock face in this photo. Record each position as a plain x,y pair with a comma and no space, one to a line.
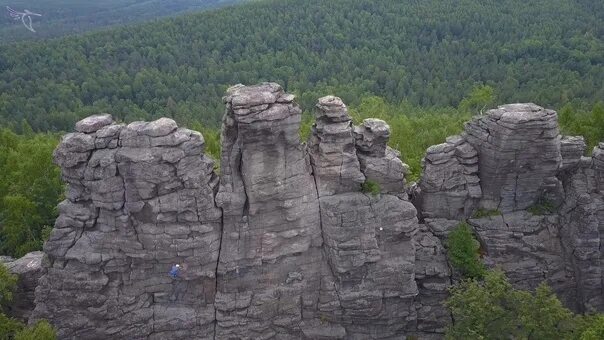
287,243
519,152
140,198
450,186
370,241
541,207
270,261
284,245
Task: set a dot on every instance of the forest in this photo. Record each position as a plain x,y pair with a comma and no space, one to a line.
426,53
65,17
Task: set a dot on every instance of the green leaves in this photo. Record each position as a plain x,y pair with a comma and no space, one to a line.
493,309
481,98
30,189
430,53
371,187
42,330
8,283
12,329
463,252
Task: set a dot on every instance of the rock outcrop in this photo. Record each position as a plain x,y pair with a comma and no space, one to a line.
269,270
287,243
541,215
450,186
519,150
140,198
284,245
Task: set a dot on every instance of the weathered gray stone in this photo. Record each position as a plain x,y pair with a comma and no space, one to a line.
285,245
519,149
93,123
332,149
449,187
129,216
379,162
572,148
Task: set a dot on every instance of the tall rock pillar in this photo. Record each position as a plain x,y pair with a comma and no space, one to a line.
270,259
519,154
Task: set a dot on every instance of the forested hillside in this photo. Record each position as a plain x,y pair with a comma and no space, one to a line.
61,17
424,66
429,53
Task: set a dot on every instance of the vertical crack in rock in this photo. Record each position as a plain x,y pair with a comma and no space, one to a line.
285,245
274,264
141,198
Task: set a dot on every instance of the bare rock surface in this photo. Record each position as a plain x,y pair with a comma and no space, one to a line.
140,199
332,149
286,244
450,186
379,162
519,151
271,259
542,208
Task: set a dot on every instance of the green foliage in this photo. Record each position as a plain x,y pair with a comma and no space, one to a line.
64,17
463,252
429,53
589,124
493,309
306,126
42,330
479,99
212,142
591,327
542,207
371,187
481,213
14,329
8,283
413,129
8,327
30,189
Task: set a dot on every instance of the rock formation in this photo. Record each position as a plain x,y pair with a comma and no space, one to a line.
541,215
287,245
140,198
519,150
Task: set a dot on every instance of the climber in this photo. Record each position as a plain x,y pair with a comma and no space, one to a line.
175,270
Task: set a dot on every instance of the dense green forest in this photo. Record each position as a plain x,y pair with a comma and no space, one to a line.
427,53
62,17
30,189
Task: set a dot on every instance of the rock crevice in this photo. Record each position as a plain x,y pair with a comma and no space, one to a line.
285,244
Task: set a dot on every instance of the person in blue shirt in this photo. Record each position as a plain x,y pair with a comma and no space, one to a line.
174,271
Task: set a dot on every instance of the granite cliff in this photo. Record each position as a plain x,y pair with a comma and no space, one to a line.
286,244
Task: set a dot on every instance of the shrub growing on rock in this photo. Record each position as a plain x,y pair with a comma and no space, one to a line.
371,187
493,309
463,252
12,328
